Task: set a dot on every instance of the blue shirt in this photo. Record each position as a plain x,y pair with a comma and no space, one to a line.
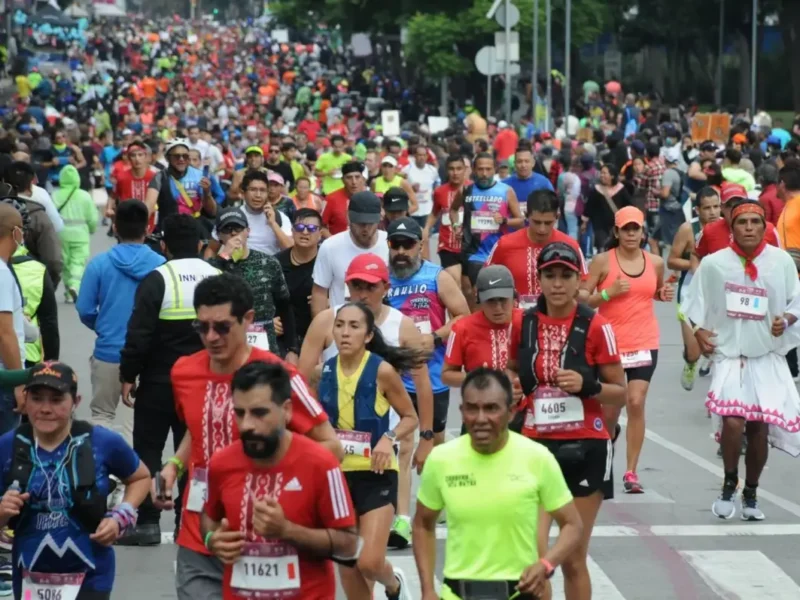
47,539
525,187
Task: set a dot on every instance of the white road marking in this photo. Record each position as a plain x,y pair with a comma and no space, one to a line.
602,586
742,574
706,465
650,497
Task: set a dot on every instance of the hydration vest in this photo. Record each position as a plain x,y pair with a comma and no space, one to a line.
88,504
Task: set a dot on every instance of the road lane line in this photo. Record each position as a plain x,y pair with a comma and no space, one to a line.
743,574
602,586
665,531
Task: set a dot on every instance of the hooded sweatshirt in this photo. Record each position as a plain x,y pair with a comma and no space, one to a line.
105,300
75,206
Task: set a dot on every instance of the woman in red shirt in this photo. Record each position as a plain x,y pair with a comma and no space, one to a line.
568,367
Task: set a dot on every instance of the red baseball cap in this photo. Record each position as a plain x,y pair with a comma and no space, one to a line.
369,268
729,191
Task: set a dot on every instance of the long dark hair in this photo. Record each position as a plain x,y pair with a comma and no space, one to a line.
402,359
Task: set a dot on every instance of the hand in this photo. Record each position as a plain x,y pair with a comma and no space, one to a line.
569,381
778,326
421,454
12,503
454,220
276,322
533,580
291,358
110,212
382,455
498,218
19,398
270,212
225,544
667,292
427,342
516,390
703,337
233,243
169,475
269,519
128,394
619,287
107,532
205,183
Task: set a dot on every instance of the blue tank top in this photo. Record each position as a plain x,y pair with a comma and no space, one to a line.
62,156
418,298
481,232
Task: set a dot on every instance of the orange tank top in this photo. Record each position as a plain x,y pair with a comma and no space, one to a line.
632,315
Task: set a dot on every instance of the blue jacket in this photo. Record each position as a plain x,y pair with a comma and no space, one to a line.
105,300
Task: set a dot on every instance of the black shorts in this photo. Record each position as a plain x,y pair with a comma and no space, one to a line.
643,373
587,465
441,404
449,259
371,491
471,269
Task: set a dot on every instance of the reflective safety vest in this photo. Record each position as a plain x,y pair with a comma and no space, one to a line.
30,274
181,277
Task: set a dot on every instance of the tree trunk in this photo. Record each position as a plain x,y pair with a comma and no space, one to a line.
743,50
790,25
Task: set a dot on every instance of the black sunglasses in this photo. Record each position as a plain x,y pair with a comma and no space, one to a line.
404,243
232,229
559,252
306,227
219,327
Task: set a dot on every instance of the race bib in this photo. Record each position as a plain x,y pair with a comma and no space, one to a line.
555,410
424,326
355,443
198,491
257,336
266,571
527,301
447,222
51,586
640,358
745,302
482,222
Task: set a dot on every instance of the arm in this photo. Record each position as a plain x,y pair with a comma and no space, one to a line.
9,345
614,389
423,535
324,434
80,161
453,376
391,385
314,343
87,302
675,261
137,486
47,313
516,220
235,191
453,298
410,337
319,299
325,543
216,190
413,205
142,327
597,273
284,239
696,172
209,203
151,198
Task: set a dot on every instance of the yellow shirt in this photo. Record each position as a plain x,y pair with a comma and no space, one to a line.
23,86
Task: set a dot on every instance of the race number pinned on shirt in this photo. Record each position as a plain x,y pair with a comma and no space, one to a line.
423,325
527,301
483,222
355,443
745,302
639,358
266,571
555,410
257,336
51,586
198,490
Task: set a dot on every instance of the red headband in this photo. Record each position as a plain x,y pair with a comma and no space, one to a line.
748,207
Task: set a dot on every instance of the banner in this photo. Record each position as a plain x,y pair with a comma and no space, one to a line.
711,126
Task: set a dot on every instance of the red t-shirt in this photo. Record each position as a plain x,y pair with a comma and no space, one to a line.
442,199
475,341
601,349
309,486
519,254
717,236
127,187
334,217
203,401
505,144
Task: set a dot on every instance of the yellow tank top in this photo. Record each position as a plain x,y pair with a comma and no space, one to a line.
382,186
346,422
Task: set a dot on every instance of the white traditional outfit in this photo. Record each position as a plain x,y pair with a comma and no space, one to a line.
737,299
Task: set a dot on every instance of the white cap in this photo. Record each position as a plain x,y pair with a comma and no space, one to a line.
672,154
127,132
503,124
390,160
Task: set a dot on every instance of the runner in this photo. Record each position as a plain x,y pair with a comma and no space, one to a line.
274,500
449,231
362,392
133,183
253,161
624,281
743,303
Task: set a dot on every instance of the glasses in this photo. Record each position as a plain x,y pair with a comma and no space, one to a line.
219,327
274,150
259,191
404,243
180,157
231,230
306,227
565,254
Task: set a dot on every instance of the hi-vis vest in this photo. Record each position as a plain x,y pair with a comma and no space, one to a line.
181,276
30,273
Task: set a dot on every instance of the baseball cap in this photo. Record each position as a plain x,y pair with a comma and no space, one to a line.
628,215
740,138
730,191
494,281
502,125
231,216
774,140
395,199
365,207
55,375
405,227
127,132
708,146
672,154
638,146
367,267
254,150
275,177
558,253
546,136
389,160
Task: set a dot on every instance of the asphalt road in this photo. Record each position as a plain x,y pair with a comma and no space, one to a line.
662,545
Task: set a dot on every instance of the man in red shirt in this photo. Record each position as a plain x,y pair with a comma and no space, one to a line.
278,507
506,142
202,389
769,200
334,215
520,250
132,183
449,236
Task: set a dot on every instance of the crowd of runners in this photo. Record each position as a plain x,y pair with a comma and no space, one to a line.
274,301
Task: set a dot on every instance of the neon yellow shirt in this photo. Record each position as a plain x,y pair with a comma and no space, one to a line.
492,503
329,161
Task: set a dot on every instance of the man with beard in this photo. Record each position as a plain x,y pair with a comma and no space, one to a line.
425,293
289,492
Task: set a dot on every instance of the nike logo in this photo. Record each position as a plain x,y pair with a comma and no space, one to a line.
493,281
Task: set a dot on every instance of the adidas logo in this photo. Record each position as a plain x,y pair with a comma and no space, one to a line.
584,483
401,226
293,486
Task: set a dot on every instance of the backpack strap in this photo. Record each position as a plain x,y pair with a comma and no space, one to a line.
21,461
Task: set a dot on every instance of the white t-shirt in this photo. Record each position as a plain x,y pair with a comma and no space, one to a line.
11,302
261,237
335,255
40,196
428,179
202,147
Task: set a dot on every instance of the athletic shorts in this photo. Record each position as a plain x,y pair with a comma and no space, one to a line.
471,270
371,491
643,373
449,259
587,465
441,404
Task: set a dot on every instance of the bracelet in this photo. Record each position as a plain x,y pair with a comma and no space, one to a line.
178,463
604,295
786,324
125,515
207,539
548,567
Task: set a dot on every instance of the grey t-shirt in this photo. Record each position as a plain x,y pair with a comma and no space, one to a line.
672,179
11,302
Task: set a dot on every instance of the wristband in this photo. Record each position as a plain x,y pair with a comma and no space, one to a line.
604,295
786,324
590,388
696,328
207,539
549,568
178,463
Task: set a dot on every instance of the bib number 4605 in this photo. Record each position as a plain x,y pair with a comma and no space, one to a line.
554,408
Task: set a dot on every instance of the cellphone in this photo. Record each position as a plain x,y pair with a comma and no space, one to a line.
161,491
205,171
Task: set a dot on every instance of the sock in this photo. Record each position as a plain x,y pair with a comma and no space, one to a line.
749,488
732,478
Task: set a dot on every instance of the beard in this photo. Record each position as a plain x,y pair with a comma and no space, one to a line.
405,267
261,447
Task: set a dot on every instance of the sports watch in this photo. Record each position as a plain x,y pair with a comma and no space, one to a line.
427,434
437,341
391,435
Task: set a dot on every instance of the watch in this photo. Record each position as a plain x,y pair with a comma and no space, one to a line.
391,435
427,435
438,342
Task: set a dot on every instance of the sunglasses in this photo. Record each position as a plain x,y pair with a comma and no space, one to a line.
566,255
219,327
404,243
232,230
179,156
306,227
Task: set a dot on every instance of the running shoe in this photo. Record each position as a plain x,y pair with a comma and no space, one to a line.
688,376
750,509
724,507
403,592
6,570
6,588
630,482
6,539
400,535
705,367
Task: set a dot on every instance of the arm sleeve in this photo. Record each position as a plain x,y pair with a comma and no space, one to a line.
47,313
142,326
334,504
430,491
553,491
307,413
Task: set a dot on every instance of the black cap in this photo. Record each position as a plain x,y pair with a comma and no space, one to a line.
708,146
231,216
353,166
365,207
395,199
405,227
494,281
55,375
